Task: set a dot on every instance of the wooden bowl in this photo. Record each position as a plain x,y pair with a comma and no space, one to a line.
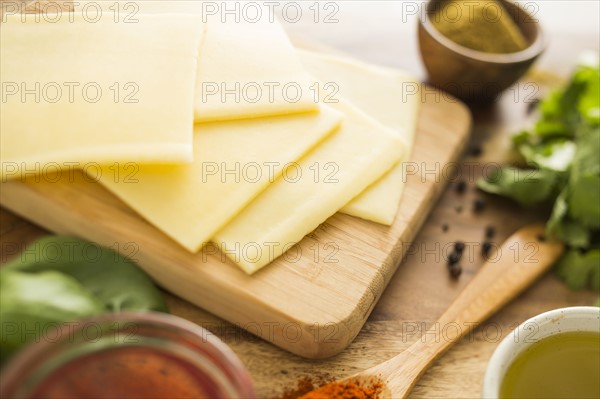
473,75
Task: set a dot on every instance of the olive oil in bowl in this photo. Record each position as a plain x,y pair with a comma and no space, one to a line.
564,365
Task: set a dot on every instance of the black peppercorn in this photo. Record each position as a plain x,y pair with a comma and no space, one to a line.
476,151
541,238
478,205
459,246
485,249
532,105
455,270
454,258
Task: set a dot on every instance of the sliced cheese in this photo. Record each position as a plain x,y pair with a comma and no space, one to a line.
248,70
234,161
359,153
390,96
76,92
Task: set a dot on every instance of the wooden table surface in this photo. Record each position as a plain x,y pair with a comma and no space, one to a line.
385,32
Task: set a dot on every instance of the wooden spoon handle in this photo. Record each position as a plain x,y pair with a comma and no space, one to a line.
510,269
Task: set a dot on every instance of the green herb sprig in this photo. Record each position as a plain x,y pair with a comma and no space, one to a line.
562,154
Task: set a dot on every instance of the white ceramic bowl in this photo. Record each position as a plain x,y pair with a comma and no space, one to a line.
580,318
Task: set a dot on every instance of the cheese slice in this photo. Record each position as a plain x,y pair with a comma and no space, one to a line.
247,67
390,96
76,92
248,70
234,161
359,153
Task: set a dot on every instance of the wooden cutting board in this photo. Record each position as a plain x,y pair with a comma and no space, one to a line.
312,302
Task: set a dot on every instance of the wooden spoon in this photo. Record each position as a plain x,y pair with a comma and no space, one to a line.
515,265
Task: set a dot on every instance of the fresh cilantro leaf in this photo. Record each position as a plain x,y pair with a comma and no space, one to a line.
526,186
580,270
562,152
555,154
561,226
584,180
589,103
584,201
550,128
523,137
572,233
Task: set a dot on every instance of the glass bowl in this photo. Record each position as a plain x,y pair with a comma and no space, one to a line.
126,355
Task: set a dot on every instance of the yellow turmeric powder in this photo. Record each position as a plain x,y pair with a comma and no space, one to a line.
482,25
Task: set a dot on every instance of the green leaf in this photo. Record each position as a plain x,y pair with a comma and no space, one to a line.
580,270
116,281
584,180
30,304
559,211
550,128
556,154
526,186
588,144
584,201
572,234
561,110
523,137
565,142
595,278
551,106
561,226
589,103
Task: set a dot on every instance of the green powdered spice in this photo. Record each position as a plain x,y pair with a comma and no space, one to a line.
482,25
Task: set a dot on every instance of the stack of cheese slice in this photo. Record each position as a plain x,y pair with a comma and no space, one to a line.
210,130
